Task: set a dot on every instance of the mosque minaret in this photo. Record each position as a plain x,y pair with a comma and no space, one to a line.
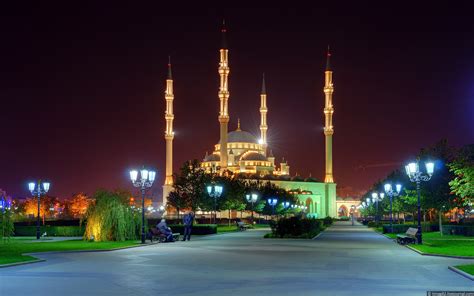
224,71
328,112
169,134
263,116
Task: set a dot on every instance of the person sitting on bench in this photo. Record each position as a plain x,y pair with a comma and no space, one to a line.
163,228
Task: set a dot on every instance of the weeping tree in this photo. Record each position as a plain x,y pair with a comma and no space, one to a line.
6,224
110,218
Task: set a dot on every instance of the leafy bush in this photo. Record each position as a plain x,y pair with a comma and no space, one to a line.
344,218
294,227
200,229
110,218
50,230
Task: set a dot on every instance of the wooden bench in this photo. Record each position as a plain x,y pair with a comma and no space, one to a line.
408,237
242,226
154,233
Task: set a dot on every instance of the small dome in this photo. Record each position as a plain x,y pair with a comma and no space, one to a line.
253,156
310,179
241,137
297,178
212,157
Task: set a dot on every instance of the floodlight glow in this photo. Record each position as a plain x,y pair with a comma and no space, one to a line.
254,197
429,168
382,195
144,174
209,190
368,200
31,186
46,186
374,195
399,187
248,197
260,141
133,175
151,176
413,167
387,187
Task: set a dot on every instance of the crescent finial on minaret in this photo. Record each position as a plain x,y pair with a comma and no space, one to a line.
264,90
223,31
328,60
170,76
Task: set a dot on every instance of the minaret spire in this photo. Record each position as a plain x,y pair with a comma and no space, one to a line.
169,134
263,116
328,113
170,76
224,94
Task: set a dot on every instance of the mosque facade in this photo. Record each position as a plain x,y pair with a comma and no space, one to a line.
240,152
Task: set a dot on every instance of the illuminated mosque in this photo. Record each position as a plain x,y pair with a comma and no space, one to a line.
245,153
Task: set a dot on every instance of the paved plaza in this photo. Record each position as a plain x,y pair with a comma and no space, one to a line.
344,260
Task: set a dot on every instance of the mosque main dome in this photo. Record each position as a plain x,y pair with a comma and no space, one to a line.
240,136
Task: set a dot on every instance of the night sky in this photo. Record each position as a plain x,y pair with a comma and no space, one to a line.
82,87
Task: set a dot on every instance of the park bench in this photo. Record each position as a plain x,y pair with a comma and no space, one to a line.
408,237
154,233
242,226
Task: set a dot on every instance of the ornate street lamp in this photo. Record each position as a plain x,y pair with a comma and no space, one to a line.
377,197
413,171
272,202
146,181
251,198
215,191
389,191
37,190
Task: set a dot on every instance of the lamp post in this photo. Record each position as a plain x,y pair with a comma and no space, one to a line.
353,209
413,171
146,181
215,191
377,197
37,189
272,202
389,191
251,198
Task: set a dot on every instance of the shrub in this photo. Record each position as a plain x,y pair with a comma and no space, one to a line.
458,230
344,218
328,221
50,230
402,228
200,229
294,227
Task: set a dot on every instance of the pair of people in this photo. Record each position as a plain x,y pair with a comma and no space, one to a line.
188,220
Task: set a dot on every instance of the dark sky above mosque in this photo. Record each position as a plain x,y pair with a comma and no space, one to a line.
82,86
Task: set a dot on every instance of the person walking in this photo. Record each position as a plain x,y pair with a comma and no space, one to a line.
188,220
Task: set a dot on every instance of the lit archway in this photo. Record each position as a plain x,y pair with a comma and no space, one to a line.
343,211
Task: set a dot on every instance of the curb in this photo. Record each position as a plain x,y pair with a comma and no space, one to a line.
37,260
438,255
21,263
459,271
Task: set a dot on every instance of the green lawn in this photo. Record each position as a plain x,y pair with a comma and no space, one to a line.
469,268
434,243
11,251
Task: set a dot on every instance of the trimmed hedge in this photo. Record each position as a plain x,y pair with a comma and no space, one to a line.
402,228
458,230
199,229
294,227
50,230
